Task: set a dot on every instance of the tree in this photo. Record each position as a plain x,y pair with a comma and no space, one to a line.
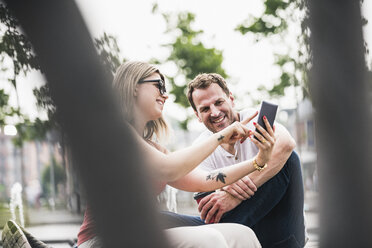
189,54
336,34
109,52
59,177
16,50
275,20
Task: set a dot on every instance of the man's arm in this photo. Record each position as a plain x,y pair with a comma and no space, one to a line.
218,203
245,188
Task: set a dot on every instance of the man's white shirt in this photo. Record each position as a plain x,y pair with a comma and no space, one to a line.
220,157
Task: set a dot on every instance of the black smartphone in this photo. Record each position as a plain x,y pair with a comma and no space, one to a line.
268,110
200,195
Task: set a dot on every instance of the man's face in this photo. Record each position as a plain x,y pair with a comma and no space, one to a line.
214,108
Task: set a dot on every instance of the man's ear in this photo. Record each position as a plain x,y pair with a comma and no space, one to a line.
197,115
231,97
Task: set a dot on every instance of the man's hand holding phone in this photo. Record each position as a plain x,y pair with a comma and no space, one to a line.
268,112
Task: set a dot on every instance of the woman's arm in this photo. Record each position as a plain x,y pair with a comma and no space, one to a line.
170,167
200,180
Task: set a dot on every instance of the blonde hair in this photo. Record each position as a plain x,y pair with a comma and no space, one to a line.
126,78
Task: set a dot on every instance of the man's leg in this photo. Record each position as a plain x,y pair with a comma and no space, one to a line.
275,212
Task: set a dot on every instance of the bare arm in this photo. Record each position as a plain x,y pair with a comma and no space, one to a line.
200,180
170,167
219,203
247,186
227,175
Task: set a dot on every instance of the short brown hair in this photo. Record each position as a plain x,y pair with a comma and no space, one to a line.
203,81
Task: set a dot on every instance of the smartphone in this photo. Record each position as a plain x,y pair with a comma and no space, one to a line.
268,110
200,195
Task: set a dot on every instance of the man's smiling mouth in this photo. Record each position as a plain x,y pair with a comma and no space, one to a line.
218,120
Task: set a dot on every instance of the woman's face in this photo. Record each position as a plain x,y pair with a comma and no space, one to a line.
149,101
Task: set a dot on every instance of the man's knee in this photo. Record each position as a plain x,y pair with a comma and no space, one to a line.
293,164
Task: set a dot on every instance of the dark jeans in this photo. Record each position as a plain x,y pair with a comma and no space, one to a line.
275,212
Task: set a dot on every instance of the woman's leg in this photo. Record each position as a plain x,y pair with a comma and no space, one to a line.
237,235
195,237
224,235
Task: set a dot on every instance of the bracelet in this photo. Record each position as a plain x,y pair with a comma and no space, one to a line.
257,167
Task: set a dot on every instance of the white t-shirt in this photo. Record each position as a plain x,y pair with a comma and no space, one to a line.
220,157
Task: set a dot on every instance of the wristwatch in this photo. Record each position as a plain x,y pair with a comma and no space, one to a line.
258,167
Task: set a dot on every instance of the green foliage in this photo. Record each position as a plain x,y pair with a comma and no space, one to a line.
59,177
274,21
189,54
271,22
28,131
15,45
16,49
4,107
109,52
44,101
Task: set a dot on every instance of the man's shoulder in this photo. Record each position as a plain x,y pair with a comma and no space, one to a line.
246,113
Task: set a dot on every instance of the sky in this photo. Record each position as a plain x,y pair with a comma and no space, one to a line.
140,35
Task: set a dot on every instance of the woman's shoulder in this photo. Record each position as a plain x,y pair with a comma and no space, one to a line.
158,146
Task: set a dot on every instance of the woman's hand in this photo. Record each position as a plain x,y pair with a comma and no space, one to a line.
236,131
265,142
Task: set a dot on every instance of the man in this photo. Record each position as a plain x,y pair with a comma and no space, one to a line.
269,201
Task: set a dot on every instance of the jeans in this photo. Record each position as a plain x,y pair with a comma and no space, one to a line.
275,212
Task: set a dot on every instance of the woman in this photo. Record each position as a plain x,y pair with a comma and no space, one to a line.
142,95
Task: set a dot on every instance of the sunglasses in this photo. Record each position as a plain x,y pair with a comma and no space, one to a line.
160,84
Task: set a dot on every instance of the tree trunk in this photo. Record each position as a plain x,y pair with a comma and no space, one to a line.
343,119
111,168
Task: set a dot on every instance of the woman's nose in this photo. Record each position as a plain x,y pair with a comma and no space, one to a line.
165,96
